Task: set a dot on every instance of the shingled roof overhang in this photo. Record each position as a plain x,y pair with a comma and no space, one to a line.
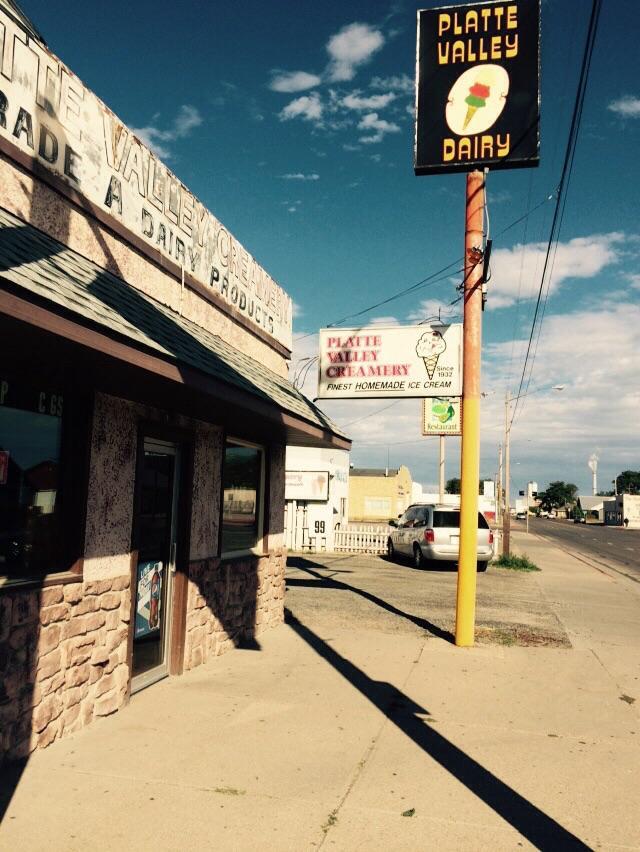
54,288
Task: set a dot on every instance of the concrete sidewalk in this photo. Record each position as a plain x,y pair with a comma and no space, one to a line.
339,735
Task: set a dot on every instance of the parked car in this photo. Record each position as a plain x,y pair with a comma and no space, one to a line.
521,516
580,519
428,533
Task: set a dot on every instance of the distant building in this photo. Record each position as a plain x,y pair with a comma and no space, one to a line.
621,507
592,507
316,497
379,494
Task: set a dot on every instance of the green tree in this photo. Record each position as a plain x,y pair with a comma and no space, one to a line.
629,482
557,495
453,485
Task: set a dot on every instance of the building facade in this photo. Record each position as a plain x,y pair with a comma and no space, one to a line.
623,510
144,413
316,497
379,495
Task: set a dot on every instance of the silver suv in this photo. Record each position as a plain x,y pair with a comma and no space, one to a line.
429,533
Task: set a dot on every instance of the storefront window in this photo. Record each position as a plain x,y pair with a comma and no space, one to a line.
30,440
242,497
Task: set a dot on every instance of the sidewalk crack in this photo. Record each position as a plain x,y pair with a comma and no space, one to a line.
332,818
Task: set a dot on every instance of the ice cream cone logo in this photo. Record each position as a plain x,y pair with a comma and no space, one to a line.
476,99
478,94
430,347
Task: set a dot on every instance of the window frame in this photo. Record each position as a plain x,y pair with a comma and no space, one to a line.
259,549
66,566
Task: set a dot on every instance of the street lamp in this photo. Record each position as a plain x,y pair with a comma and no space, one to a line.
506,520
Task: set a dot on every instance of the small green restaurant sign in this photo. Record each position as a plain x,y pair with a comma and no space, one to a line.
441,416
477,87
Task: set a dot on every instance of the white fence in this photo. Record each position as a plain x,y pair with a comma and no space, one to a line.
361,538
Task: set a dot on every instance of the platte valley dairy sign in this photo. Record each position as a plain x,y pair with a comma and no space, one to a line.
393,361
47,113
477,93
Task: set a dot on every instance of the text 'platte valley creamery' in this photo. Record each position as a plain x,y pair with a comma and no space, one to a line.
477,96
393,361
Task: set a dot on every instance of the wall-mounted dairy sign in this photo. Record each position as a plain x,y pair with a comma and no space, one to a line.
441,416
47,114
394,361
306,485
477,97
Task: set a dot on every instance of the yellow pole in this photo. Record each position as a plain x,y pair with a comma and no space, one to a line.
470,466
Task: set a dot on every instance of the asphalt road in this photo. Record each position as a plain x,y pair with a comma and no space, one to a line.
614,546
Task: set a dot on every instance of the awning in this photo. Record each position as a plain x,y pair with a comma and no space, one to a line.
51,286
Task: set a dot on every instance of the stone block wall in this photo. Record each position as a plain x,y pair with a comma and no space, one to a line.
63,660
231,602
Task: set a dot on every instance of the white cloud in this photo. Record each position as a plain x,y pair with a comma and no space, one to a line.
628,106
371,121
403,84
292,206
355,101
188,117
293,81
157,139
592,352
383,321
498,197
307,107
634,280
520,267
350,48
300,176
430,309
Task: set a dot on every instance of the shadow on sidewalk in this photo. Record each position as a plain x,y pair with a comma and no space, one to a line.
324,582
532,823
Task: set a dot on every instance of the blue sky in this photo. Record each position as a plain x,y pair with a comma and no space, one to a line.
293,123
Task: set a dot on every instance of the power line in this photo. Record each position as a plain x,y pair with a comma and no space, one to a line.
565,177
431,279
371,414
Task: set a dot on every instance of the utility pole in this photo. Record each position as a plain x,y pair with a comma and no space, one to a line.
499,488
506,520
441,497
470,461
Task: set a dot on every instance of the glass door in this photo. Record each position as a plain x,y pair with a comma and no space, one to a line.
155,524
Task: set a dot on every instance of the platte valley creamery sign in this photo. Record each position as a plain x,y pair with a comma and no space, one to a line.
49,115
393,361
477,98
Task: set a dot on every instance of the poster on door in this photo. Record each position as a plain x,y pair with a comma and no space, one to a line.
148,598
